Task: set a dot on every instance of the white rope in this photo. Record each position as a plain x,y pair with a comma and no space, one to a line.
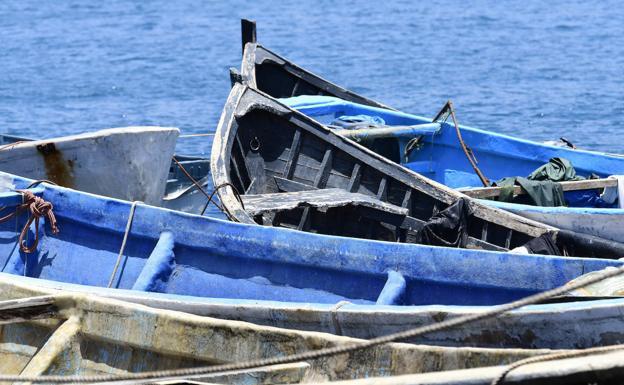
123,243
195,135
551,357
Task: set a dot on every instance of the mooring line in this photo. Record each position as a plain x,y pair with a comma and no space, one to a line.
198,186
196,135
315,354
552,357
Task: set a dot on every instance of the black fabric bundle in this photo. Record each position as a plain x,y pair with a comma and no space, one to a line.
448,227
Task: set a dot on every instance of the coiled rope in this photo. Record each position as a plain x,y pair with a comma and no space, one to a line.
315,354
38,208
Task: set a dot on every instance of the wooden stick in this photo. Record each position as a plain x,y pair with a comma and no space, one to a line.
17,310
589,184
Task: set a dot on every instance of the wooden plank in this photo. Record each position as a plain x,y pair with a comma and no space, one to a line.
57,349
304,222
296,87
289,169
508,239
25,309
382,192
407,199
237,171
323,175
589,184
248,32
474,243
287,185
322,199
244,168
484,231
354,182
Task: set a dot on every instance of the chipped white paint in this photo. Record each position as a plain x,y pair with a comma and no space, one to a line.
130,163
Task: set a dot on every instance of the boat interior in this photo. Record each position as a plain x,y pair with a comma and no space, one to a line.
176,253
433,149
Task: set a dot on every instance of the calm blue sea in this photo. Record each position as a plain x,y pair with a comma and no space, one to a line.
531,68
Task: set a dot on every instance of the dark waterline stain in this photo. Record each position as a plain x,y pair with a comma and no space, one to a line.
58,170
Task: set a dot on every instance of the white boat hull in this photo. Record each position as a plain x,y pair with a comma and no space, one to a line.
601,222
128,163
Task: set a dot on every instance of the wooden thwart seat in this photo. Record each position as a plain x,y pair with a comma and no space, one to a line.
320,199
589,184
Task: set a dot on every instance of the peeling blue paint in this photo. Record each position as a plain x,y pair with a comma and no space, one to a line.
214,258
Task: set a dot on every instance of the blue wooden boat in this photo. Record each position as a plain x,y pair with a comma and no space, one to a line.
275,166
281,277
438,155
433,150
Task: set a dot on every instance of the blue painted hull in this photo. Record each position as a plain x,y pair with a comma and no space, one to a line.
440,157
176,254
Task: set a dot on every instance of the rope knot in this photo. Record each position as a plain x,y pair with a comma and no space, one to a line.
38,208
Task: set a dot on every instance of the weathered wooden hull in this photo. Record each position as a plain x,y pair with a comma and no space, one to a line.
567,325
127,163
592,368
71,334
294,279
279,167
440,156
499,155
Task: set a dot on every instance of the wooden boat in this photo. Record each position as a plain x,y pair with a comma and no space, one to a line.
434,159
562,325
293,279
127,163
275,166
599,367
180,192
434,151
71,334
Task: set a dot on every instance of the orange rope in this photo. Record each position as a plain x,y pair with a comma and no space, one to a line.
38,208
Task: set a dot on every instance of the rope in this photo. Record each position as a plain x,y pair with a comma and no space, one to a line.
448,108
38,182
222,207
334,316
315,354
38,208
199,187
551,357
196,135
123,242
